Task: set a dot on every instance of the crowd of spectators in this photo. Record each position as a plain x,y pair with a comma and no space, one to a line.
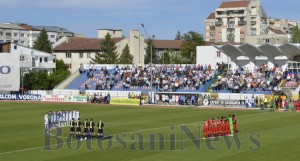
242,80
168,78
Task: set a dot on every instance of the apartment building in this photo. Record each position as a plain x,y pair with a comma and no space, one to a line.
30,59
26,35
232,21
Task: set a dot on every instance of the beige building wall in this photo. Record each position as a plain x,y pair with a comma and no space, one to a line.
271,39
114,33
135,42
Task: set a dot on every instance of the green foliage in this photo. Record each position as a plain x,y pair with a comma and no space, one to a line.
148,53
188,49
126,57
42,42
165,57
295,35
41,80
108,54
175,58
178,35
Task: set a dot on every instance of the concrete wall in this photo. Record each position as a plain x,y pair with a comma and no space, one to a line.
208,55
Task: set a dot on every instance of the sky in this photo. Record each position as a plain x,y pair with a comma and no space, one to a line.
162,18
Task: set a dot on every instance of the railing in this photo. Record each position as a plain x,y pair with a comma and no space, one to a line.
219,23
241,23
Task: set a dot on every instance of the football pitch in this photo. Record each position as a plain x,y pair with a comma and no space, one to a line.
147,134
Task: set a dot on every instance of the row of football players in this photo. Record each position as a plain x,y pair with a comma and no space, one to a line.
61,118
222,126
88,129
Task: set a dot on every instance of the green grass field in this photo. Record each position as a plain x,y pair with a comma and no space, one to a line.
22,136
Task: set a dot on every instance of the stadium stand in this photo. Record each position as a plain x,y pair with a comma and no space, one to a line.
259,81
166,78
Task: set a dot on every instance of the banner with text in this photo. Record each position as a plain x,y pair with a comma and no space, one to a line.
29,97
125,101
9,72
64,98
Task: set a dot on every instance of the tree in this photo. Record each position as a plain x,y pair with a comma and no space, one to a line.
191,40
108,54
42,42
165,57
126,57
178,35
60,74
148,53
41,80
175,58
295,35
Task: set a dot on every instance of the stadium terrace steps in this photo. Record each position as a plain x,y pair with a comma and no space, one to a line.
78,83
67,81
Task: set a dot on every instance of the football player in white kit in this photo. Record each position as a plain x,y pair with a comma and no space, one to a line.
77,114
46,121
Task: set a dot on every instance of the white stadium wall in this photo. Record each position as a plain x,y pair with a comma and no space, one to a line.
209,55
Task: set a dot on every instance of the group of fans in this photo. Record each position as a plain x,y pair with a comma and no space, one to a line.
222,126
60,118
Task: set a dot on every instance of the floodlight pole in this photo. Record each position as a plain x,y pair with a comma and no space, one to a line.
151,77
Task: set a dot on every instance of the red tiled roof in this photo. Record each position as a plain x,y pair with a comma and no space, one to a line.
211,16
82,44
275,31
26,27
234,4
167,44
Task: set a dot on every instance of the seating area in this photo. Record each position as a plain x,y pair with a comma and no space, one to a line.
167,78
259,81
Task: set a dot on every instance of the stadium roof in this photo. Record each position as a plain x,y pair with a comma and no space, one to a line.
270,51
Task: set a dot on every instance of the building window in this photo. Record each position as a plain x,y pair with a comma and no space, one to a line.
22,35
277,41
88,55
8,34
41,60
69,66
80,55
242,32
15,47
1,33
52,36
15,34
266,40
218,54
22,42
28,35
45,59
68,55
22,58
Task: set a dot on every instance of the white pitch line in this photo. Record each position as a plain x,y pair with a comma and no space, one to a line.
21,150
6,109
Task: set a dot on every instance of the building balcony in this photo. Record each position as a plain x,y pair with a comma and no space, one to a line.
241,23
45,65
253,22
25,64
219,23
231,26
